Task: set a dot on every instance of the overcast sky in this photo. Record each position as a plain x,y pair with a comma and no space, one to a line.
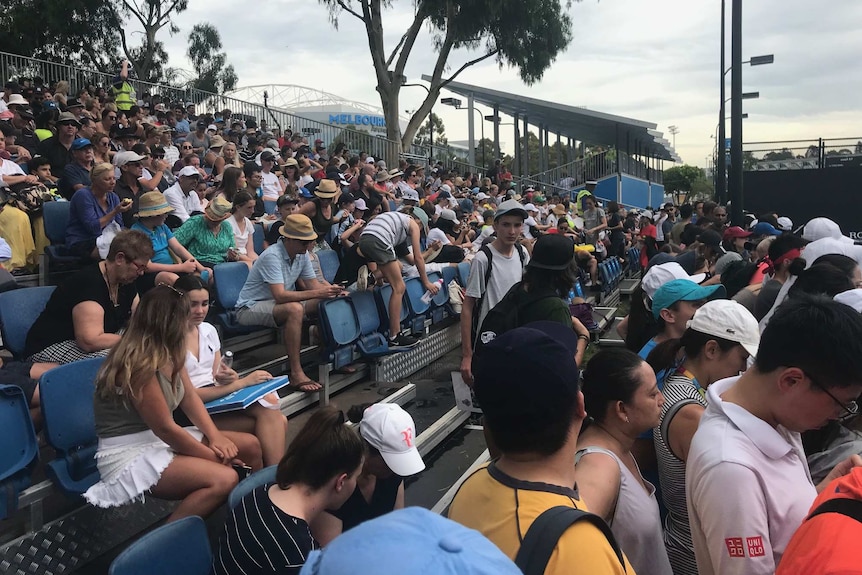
652,61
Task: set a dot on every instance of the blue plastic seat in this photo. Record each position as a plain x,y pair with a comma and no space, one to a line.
257,238
229,277
19,310
178,548
383,294
340,328
579,289
55,216
19,449
371,342
440,302
66,395
250,483
418,308
328,264
463,273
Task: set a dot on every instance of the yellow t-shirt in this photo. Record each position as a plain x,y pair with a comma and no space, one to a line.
502,508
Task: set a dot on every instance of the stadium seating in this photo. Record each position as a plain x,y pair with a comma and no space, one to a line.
382,294
19,310
340,327
229,278
19,449
247,485
257,238
55,216
418,309
371,342
66,395
178,548
328,264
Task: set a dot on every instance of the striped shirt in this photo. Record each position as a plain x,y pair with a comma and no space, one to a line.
389,227
678,391
260,538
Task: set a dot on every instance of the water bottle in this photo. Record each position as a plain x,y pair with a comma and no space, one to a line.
226,361
427,296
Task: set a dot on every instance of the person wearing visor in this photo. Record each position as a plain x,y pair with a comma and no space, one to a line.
391,455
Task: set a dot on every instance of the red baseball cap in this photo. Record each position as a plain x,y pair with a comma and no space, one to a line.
734,232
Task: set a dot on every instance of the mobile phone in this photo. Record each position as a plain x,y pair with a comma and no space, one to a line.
242,471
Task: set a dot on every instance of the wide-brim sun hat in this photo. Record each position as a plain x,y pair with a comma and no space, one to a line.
326,189
153,204
218,210
298,227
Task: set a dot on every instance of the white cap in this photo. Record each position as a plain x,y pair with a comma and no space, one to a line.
123,158
730,320
446,188
359,204
448,215
659,275
531,208
646,214
785,224
369,160
212,127
482,196
190,171
391,431
852,297
820,228
410,194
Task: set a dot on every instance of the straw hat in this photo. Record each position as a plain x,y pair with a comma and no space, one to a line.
559,210
298,227
291,162
153,204
326,189
217,142
218,210
382,176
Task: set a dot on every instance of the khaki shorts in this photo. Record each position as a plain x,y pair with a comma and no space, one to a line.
375,250
261,313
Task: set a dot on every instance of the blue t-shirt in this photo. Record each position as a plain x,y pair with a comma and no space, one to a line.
644,353
73,174
274,267
84,214
160,238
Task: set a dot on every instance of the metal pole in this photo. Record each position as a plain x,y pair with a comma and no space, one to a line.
525,171
496,132
721,151
736,113
516,159
471,133
431,138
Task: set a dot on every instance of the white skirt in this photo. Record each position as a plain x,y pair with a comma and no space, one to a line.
130,465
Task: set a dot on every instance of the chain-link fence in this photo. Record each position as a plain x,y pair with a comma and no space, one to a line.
802,154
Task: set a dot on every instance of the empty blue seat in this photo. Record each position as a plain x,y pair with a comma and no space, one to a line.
66,394
463,273
371,342
178,548
257,238
579,289
418,308
328,264
229,277
19,310
55,216
440,302
340,330
250,483
19,449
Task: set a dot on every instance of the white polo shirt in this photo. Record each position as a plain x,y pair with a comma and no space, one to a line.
748,488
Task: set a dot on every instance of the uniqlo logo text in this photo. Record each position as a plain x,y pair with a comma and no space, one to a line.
755,546
735,547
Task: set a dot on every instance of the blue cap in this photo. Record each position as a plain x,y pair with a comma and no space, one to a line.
80,143
764,229
411,540
683,290
303,192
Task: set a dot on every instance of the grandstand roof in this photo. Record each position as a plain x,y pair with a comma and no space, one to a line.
571,121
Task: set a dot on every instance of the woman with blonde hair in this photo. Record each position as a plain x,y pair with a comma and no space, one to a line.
61,92
141,449
228,157
101,148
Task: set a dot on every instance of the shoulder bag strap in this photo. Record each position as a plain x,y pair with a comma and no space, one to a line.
848,507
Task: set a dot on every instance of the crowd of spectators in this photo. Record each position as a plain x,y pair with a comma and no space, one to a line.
697,445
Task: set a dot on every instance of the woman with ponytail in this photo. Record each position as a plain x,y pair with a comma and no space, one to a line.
622,401
268,532
720,337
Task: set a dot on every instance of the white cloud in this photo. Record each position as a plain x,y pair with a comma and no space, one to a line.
653,61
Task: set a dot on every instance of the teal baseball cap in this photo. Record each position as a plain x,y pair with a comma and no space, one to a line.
683,290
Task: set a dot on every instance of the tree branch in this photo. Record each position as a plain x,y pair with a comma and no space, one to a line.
409,39
467,65
349,10
134,10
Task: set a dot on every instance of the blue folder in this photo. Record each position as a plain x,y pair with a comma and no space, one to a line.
244,397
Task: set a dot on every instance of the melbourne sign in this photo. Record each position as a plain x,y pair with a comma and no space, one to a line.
357,120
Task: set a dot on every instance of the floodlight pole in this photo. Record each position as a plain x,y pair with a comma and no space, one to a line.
721,151
736,192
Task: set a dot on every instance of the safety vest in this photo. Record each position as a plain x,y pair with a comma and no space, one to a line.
123,96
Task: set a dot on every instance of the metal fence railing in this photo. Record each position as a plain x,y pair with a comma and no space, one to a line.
802,154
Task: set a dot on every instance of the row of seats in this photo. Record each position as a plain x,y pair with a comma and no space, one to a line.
610,272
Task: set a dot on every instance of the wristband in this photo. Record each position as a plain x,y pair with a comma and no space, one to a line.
584,337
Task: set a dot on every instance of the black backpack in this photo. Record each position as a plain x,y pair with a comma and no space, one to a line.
506,314
542,537
477,309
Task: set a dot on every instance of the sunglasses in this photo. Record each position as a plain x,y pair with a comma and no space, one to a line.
134,164
187,148
112,117
158,156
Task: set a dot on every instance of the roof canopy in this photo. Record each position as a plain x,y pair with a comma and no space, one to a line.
577,123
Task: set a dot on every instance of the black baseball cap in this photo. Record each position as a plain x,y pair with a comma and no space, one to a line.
552,252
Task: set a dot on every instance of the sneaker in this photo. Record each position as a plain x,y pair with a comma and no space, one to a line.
403,342
362,278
